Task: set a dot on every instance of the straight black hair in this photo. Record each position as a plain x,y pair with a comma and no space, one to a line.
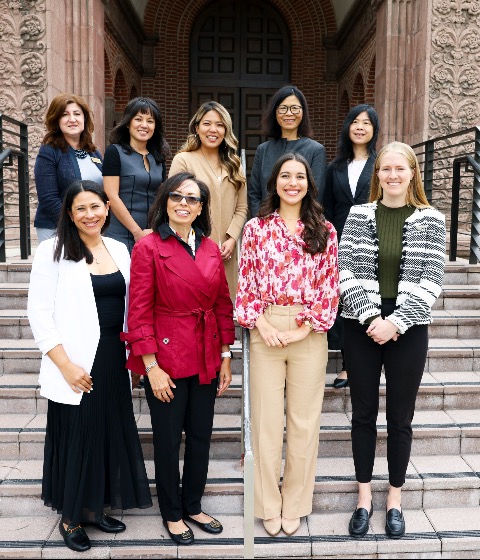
345,145
69,242
158,210
270,125
157,145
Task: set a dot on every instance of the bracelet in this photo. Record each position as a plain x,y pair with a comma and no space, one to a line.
309,324
151,366
226,354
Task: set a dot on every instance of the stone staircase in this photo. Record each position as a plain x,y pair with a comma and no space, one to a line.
441,495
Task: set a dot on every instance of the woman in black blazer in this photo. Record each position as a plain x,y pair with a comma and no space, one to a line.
348,184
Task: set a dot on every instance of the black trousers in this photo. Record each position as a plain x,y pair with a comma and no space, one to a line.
190,411
404,362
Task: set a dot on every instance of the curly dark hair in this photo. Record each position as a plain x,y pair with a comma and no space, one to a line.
345,145
69,242
315,233
157,214
157,145
270,126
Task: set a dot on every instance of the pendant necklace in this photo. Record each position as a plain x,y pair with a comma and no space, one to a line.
219,177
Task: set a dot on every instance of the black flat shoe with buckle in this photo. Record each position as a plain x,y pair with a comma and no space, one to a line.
358,526
340,383
75,538
214,526
180,538
394,524
108,524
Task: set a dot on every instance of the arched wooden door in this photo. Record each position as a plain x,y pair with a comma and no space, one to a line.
240,55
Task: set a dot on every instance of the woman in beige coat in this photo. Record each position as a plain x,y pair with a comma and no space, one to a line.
210,154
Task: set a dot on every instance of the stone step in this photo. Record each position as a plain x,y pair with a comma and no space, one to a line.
459,296
445,354
20,394
431,481
430,533
436,432
452,323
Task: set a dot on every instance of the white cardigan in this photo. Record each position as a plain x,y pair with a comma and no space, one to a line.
62,310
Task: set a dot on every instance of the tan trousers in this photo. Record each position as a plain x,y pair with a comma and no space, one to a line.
296,372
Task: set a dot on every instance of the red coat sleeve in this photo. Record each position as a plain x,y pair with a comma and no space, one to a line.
140,336
223,307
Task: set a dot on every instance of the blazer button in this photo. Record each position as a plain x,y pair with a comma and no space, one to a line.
214,335
166,340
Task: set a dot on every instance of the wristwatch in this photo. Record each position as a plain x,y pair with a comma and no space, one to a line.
226,354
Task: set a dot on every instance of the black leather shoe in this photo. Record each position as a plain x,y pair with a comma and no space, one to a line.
358,526
75,538
183,538
109,525
394,524
340,383
214,527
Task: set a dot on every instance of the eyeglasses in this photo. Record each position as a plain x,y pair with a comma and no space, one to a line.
190,200
294,109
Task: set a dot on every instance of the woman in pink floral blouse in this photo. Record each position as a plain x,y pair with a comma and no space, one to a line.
288,295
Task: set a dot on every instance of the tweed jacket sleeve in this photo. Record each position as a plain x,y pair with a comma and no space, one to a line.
421,269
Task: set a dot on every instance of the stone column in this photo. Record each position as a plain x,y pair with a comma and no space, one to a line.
75,54
402,68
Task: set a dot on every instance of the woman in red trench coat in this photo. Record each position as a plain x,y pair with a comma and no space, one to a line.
180,326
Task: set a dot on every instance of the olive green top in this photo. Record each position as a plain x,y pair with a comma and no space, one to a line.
390,222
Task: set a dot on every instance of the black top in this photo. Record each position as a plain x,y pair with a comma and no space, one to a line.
109,291
137,190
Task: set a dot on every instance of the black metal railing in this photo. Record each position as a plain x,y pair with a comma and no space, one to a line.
14,148
455,193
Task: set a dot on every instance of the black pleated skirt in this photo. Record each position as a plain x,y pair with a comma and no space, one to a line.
93,458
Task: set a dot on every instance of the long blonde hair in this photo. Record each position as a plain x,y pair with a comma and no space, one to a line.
227,149
415,192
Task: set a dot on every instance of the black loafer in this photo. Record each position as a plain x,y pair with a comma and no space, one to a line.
183,538
358,526
340,383
109,525
394,524
75,538
214,527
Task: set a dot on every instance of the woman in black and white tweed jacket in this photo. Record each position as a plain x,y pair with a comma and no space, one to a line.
391,259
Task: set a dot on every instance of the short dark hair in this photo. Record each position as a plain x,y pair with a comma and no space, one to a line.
157,145
158,210
345,145
270,125
69,241
315,233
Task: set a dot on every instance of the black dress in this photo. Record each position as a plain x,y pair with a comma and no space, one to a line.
93,458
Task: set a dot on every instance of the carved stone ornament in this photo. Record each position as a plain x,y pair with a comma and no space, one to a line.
455,66
23,78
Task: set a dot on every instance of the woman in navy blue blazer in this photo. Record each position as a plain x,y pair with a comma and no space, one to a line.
66,155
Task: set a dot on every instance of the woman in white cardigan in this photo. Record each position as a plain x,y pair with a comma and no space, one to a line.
76,308
391,260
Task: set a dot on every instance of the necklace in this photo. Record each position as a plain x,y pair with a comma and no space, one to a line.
218,176
80,154
100,251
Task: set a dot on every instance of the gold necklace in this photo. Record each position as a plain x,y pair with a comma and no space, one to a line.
95,258
218,176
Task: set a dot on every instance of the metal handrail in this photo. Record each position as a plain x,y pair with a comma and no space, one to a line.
19,151
475,230
441,154
247,448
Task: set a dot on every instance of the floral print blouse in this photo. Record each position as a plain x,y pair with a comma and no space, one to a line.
275,269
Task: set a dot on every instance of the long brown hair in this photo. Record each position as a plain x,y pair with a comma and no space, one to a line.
227,149
54,136
315,232
415,192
